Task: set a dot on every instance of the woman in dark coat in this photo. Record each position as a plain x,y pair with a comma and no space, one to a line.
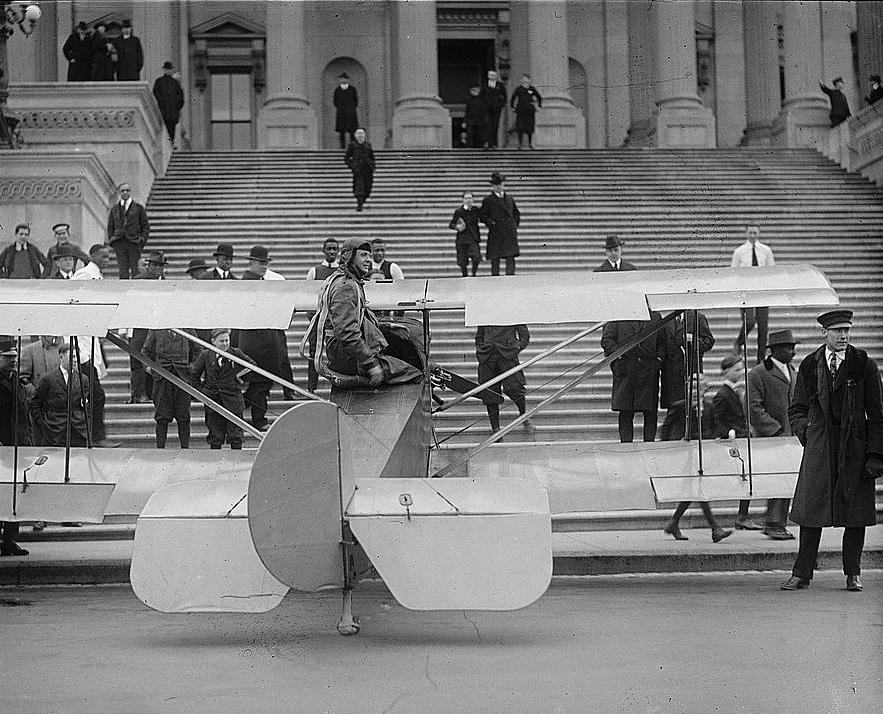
502,217
525,101
635,375
102,60
839,421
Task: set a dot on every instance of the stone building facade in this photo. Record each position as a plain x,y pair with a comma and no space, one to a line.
704,73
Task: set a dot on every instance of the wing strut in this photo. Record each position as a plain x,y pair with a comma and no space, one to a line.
747,400
253,367
517,368
181,384
634,340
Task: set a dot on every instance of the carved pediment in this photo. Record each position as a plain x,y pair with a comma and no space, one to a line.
228,26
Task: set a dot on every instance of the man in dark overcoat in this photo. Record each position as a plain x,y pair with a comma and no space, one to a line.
130,56
360,158
48,406
474,119
100,47
127,232
837,414
635,375
174,352
346,99
501,215
15,428
497,348
140,381
770,388
169,98
613,261
493,94
77,51
679,366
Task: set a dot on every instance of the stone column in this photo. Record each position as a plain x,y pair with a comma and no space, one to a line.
869,29
803,120
155,23
287,120
762,100
681,120
559,123
640,76
419,120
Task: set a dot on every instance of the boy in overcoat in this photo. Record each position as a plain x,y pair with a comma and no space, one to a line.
837,414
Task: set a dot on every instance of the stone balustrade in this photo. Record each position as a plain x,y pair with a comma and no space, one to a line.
857,144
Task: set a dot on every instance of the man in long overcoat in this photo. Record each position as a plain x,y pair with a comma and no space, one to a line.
770,389
169,98
501,215
345,99
493,94
360,158
635,375
130,56
77,51
837,414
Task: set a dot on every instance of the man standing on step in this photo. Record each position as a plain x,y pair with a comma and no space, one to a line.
22,259
493,93
839,104
502,217
224,258
837,414
327,267
770,389
468,241
140,381
130,56
360,158
174,352
497,348
169,98
346,99
127,232
753,253
613,262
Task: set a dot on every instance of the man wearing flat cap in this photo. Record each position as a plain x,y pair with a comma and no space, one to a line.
224,258
839,105
130,56
351,347
837,414
501,215
770,389
62,232
613,262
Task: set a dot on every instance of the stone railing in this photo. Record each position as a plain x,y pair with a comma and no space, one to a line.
119,122
857,144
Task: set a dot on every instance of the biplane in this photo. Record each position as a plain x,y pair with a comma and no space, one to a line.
342,486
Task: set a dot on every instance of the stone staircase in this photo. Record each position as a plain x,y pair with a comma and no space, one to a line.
673,208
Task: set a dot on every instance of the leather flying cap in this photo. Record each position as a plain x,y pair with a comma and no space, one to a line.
612,241
224,249
835,318
260,252
781,337
349,248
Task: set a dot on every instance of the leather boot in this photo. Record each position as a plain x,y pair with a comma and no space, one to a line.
184,434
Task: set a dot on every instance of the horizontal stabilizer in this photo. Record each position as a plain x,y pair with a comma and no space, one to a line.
193,552
456,544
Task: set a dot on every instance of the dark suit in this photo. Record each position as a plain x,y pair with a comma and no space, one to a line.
360,159
130,58
213,275
769,397
502,217
497,348
678,367
345,120
78,52
127,233
728,413
170,100
219,382
49,409
468,240
494,99
606,267
37,361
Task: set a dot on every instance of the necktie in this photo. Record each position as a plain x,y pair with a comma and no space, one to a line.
753,256
833,364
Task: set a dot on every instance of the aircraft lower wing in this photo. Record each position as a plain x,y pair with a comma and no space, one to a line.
456,544
193,552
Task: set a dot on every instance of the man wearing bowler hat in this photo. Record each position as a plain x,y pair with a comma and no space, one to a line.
770,389
837,414
169,98
501,215
224,258
613,262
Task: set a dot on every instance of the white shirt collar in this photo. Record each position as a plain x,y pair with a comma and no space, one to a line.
127,203
840,356
783,368
615,263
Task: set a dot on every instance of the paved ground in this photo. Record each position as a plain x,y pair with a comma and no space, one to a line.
666,643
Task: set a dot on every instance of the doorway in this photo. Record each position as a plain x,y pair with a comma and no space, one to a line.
462,64
232,115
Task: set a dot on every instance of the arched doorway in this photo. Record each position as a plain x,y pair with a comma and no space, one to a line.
359,80
579,88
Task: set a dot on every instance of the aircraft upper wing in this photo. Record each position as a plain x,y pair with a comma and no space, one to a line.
570,296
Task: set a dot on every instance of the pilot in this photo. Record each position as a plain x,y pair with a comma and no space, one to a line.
353,349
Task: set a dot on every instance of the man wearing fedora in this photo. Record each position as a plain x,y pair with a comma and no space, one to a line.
196,268
837,414
64,260
77,51
613,262
839,104
15,427
224,258
500,214
345,99
770,389
169,98
130,56
876,89
127,231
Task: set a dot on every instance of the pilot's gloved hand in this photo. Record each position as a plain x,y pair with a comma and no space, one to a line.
375,375
873,467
